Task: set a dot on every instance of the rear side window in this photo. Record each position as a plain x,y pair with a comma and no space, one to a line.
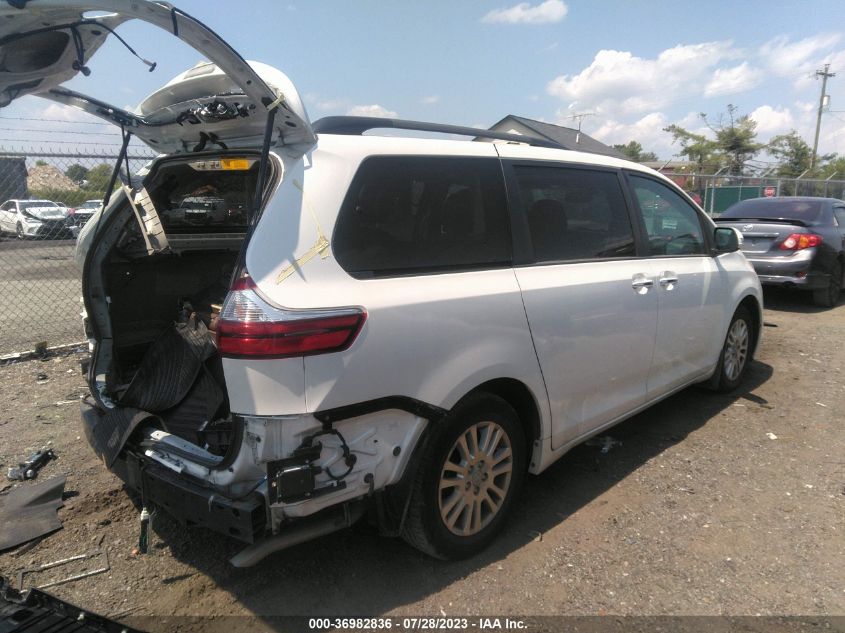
410,214
575,214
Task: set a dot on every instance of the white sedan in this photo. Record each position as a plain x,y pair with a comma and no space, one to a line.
33,218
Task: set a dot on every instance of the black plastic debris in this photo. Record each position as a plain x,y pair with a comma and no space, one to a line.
29,511
38,611
28,469
107,433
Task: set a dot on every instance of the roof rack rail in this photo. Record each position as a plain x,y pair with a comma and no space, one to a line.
357,125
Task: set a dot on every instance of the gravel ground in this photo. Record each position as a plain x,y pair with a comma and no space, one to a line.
700,510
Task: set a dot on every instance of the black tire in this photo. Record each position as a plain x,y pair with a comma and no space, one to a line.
828,296
425,528
727,377
19,231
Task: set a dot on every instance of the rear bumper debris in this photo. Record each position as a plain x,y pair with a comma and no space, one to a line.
243,519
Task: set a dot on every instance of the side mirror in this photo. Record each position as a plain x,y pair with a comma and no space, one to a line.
726,240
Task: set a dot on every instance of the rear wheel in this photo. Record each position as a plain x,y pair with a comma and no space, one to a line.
736,351
19,231
467,481
828,296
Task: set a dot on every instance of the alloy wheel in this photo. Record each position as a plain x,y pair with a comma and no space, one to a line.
736,349
475,478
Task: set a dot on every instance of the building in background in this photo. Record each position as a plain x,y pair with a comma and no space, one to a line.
563,136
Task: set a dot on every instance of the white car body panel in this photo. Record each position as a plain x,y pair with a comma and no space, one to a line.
594,335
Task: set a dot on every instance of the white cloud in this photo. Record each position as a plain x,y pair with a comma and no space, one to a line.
773,121
798,60
60,112
618,82
546,12
648,131
372,110
727,81
430,100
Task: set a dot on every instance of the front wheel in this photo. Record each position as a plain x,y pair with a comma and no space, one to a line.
19,231
468,479
828,296
736,351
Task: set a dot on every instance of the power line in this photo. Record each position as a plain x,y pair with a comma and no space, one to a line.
21,118
25,129
29,140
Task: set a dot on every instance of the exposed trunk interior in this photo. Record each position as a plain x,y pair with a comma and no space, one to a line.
164,294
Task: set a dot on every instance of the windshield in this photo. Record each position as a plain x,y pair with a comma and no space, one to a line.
92,204
788,208
38,204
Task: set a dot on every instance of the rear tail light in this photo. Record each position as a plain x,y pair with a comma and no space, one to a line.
249,327
800,241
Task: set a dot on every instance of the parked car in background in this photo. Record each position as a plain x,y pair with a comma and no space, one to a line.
794,242
77,217
33,219
196,211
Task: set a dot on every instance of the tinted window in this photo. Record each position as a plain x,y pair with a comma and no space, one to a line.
672,224
574,213
788,208
839,214
414,214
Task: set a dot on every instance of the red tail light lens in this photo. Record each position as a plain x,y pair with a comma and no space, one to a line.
800,241
249,327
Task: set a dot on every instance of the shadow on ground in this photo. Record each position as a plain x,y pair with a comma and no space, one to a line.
356,572
799,301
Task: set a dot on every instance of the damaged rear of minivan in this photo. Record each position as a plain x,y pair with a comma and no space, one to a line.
164,286
156,275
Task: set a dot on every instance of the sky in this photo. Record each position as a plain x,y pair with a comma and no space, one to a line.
631,67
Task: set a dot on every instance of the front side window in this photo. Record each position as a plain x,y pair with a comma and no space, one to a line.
574,214
671,223
406,214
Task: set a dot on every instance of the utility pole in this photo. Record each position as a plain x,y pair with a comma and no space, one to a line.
824,74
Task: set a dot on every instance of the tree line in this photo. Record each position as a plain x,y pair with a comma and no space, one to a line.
731,143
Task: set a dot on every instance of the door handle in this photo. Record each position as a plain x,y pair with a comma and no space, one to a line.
668,279
640,283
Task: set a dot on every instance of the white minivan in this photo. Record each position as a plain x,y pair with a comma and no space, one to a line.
388,325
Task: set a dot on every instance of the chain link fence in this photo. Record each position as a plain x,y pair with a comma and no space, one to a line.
715,192
45,198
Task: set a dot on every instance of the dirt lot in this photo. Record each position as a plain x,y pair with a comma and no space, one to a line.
700,510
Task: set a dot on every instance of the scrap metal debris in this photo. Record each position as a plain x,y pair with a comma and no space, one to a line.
29,468
104,567
30,511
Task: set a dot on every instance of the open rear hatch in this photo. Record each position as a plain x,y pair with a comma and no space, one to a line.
44,43
160,256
